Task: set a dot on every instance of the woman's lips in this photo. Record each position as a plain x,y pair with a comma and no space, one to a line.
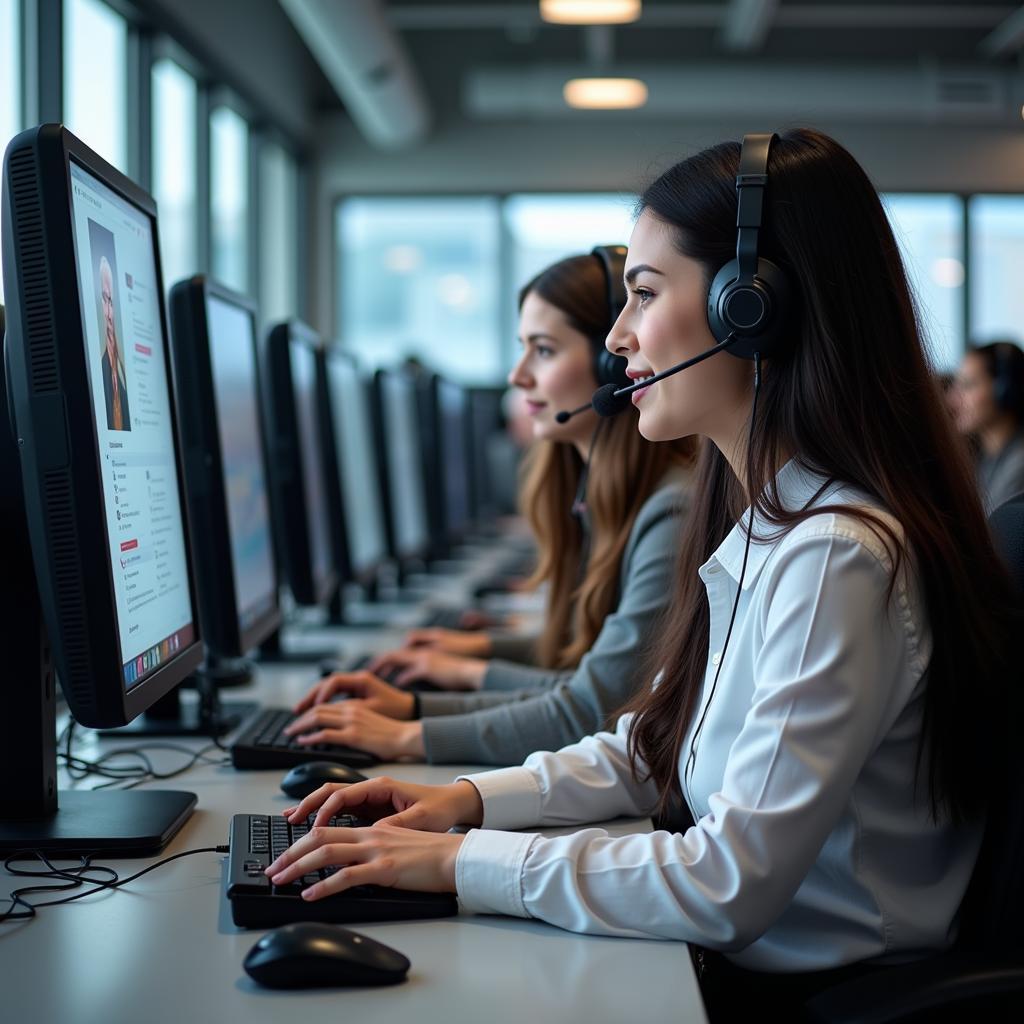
637,397
535,407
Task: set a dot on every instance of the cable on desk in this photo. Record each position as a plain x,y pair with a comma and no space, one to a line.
73,877
130,775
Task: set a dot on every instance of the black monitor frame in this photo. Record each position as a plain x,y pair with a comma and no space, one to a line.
61,599
458,524
295,543
204,463
366,575
403,557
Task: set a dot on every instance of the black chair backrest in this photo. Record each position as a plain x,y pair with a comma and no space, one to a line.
992,915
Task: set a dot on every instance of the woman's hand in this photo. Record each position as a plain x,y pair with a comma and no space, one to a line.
353,724
451,641
415,664
381,855
387,801
375,693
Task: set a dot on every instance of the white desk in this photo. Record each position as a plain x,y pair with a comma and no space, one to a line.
165,950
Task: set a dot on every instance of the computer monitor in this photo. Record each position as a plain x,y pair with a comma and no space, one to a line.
91,487
357,483
453,468
401,466
216,359
486,425
297,462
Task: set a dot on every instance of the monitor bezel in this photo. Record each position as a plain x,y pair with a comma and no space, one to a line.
287,472
204,461
367,575
55,426
422,551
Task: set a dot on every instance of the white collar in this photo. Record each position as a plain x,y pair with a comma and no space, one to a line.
797,486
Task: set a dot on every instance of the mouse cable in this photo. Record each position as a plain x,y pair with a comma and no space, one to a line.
74,878
128,776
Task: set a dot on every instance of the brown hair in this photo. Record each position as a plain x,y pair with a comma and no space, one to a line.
625,470
854,400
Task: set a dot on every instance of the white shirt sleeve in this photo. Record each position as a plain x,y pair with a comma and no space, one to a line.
831,673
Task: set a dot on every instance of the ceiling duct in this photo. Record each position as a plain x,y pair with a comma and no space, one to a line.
364,60
898,93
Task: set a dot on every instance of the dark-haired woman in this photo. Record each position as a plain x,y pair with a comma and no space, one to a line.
606,562
989,393
833,697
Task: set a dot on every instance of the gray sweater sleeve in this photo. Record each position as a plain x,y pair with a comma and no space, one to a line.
572,705
518,648
435,704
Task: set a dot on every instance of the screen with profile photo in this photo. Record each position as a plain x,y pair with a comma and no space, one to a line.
126,359
233,360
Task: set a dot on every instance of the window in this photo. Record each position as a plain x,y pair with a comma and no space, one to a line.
419,277
95,77
929,230
10,79
174,168
279,249
545,228
997,255
229,198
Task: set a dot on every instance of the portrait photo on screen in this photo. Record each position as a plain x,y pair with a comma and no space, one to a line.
115,383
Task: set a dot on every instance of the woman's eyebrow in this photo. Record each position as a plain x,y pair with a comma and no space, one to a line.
640,268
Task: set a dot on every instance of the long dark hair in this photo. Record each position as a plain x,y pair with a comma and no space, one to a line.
853,399
625,470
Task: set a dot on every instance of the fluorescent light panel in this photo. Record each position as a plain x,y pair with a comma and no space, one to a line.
605,93
590,12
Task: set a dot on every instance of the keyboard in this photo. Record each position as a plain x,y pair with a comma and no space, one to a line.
259,839
443,618
262,744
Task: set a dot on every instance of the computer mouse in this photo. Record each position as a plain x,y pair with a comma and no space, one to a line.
310,955
304,778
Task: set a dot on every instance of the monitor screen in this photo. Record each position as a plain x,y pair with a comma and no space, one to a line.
131,402
233,362
454,455
404,464
303,364
354,441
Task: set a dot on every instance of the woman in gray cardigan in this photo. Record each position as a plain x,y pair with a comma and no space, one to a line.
606,554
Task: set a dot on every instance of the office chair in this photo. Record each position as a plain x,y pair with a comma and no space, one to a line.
982,976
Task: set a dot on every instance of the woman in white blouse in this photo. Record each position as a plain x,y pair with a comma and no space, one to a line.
833,694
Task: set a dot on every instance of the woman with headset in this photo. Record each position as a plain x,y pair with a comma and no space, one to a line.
989,405
834,688
604,505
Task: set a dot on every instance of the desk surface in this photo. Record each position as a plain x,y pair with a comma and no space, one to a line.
164,948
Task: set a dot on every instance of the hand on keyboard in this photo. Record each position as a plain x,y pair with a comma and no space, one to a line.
392,802
353,724
376,694
451,641
382,855
422,664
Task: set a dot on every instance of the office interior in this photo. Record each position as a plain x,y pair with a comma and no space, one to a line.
359,188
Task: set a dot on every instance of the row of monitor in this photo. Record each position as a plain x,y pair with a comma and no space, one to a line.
163,478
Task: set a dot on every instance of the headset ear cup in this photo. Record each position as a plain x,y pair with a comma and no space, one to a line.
772,286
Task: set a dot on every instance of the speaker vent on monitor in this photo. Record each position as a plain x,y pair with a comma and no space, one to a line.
37,309
67,581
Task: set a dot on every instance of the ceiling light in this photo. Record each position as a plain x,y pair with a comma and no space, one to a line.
590,12
605,93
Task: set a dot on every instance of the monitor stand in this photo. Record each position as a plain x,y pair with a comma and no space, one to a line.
272,653
33,816
172,716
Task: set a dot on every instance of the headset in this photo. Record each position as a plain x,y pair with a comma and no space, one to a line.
749,297
608,368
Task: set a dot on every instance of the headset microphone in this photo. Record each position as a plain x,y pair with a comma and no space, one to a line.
609,401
